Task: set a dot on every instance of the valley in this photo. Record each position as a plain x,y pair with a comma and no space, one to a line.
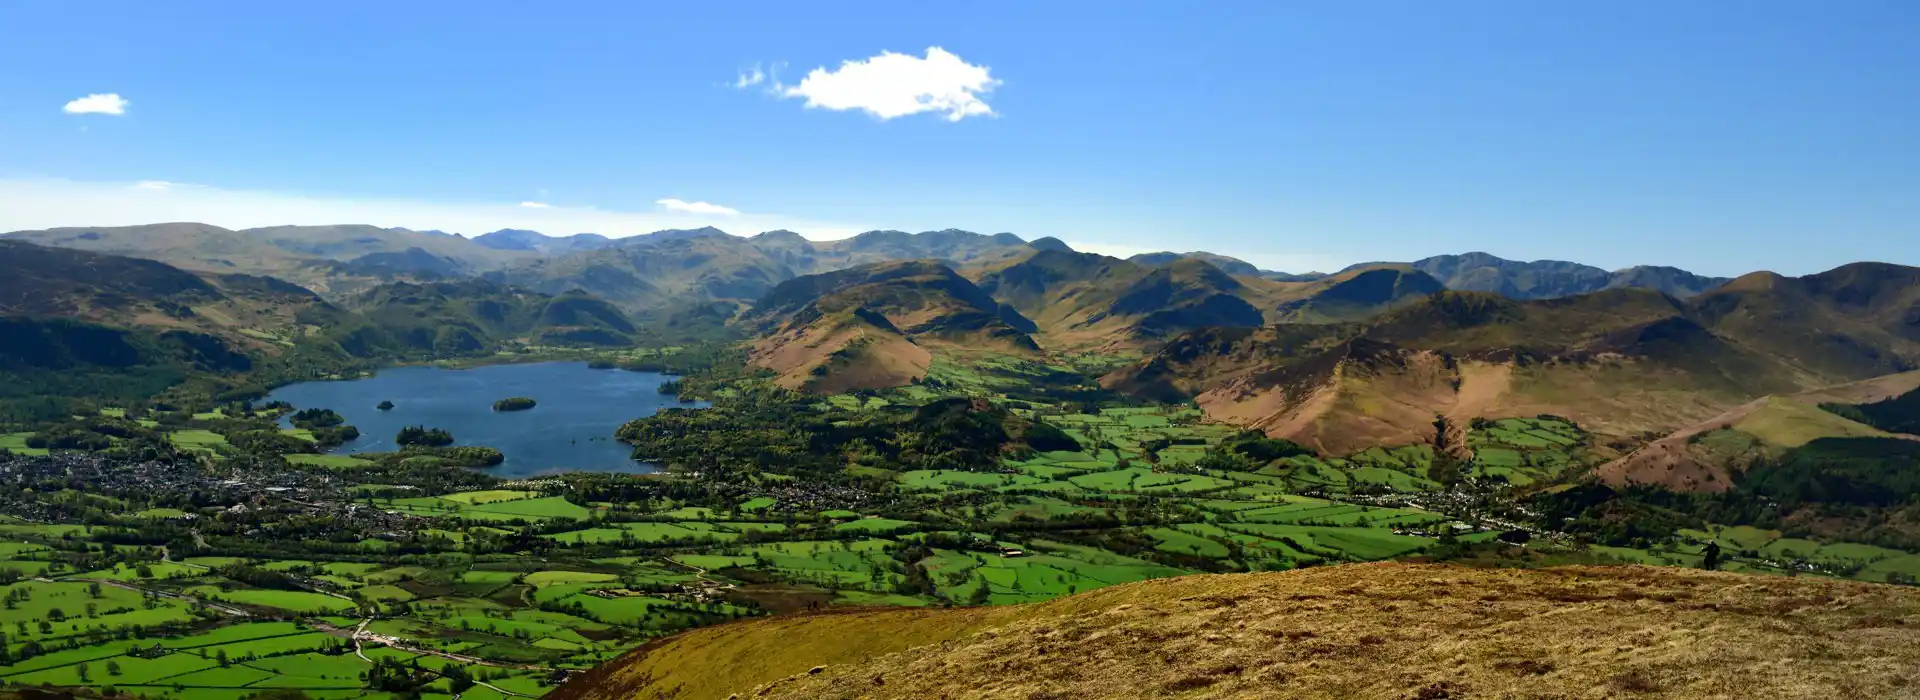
959,351
225,484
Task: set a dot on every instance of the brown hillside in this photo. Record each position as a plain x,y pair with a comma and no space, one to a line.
1623,362
1383,630
1080,300
1852,322
843,353
1620,362
874,326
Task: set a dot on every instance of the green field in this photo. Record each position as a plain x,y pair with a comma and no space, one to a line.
291,601
336,461
17,444
566,571
204,441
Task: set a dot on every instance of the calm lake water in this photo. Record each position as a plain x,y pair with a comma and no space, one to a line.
570,430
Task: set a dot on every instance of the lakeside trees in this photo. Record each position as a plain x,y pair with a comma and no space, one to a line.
422,435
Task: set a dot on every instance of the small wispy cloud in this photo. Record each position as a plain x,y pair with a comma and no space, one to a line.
893,85
536,205
155,185
686,207
104,103
749,78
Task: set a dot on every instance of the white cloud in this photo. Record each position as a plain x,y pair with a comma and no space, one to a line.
51,203
536,205
896,85
685,207
107,103
155,185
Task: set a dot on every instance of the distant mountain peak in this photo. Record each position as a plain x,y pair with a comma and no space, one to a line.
675,234
1230,265
1050,243
512,239
525,240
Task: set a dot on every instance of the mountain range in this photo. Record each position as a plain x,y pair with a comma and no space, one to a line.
1619,361
1787,405
1367,355
1546,279
695,266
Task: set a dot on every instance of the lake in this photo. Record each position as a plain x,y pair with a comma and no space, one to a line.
571,428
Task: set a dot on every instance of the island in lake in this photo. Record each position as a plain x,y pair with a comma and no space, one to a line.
517,403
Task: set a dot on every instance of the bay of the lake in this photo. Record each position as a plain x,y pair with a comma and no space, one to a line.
570,429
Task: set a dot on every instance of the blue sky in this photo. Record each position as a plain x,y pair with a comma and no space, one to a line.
1718,136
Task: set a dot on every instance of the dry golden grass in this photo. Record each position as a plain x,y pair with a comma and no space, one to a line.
1785,421
1360,631
1789,423
856,354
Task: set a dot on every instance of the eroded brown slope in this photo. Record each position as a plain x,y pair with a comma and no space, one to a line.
1621,363
1625,363
1383,630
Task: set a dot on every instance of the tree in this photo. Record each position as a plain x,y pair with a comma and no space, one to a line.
81,671
1711,560
980,595
220,657
459,680
113,668
93,589
422,435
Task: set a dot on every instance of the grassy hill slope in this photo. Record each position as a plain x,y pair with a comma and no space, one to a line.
1852,322
85,324
1385,630
244,311
472,316
1707,455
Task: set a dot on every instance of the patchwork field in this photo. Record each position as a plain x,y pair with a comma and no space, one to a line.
460,577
